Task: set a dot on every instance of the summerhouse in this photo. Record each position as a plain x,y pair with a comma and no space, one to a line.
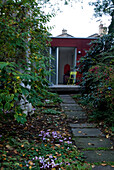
67,51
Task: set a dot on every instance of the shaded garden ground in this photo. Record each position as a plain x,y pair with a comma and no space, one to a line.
43,142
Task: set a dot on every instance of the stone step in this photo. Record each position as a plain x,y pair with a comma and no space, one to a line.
87,137
99,156
87,132
68,101
82,125
71,105
65,96
77,115
72,108
84,143
105,167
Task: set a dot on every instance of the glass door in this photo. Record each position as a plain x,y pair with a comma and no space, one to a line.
54,52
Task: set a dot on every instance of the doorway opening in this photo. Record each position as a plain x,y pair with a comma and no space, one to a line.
67,58
64,62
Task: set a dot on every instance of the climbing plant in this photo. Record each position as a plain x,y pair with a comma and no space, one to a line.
24,59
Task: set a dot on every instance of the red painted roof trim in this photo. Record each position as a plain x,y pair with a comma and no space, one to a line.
82,43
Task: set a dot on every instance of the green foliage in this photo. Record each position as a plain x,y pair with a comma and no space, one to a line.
51,111
10,90
76,96
104,7
36,156
101,51
55,97
24,59
43,142
98,78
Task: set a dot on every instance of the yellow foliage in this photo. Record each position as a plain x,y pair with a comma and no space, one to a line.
20,165
17,77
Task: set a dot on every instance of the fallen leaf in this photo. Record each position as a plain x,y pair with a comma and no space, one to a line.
30,162
53,147
103,164
15,151
112,147
20,165
93,166
58,145
79,131
2,168
4,155
89,143
9,147
55,156
58,154
106,131
107,136
25,128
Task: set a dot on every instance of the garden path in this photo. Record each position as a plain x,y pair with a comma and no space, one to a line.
87,136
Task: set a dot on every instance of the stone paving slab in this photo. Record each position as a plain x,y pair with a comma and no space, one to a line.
71,105
84,143
75,112
87,136
87,132
99,156
108,167
73,108
82,125
68,101
76,115
65,96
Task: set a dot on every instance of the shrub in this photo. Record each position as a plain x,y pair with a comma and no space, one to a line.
98,78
